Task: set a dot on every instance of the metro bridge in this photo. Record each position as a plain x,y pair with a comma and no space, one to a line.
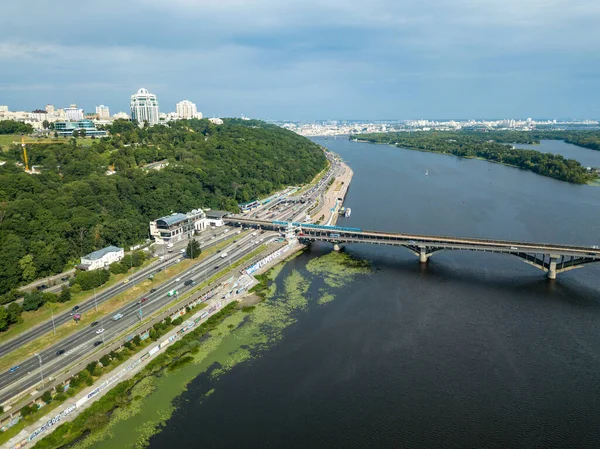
550,258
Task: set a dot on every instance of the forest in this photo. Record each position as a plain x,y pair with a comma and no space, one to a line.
72,207
495,146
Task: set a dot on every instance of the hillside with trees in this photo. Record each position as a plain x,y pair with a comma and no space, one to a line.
494,146
72,207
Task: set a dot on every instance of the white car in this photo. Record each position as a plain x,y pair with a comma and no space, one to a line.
99,331
178,279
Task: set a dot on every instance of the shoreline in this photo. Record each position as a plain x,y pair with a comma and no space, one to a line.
134,365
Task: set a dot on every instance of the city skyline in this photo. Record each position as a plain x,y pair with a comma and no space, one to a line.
309,60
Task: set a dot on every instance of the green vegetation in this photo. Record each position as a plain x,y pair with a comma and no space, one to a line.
14,127
492,146
97,416
193,249
72,208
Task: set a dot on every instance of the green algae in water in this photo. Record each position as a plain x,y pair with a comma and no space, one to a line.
238,339
224,348
337,269
325,298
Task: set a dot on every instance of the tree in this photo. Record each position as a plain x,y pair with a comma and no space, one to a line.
91,368
56,134
33,300
47,397
193,249
105,360
137,340
4,319
28,410
46,124
14,313
82,133
65,294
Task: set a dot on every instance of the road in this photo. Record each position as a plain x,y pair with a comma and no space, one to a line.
82,342
206,241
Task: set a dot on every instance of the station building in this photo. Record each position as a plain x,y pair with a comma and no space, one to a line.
176,227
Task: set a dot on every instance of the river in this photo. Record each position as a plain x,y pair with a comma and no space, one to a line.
472,350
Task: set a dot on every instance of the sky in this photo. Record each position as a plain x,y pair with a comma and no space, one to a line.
308,59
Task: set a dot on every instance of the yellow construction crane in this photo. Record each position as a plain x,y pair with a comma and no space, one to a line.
24,153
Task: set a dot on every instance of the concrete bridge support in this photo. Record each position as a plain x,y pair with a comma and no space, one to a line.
337,246
552,266
423,254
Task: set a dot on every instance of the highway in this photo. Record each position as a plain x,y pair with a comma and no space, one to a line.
81,343
206,241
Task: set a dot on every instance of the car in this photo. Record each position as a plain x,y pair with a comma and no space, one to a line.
60,352
125,281
216,267
42,287
219,250
182,251
178,279
14,368
189,282
514,248
64,278
97,342
594,246
117,317
95,323
159,270
152,290
143,300
99,331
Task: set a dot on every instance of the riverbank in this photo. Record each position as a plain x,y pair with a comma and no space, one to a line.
82,401
329,203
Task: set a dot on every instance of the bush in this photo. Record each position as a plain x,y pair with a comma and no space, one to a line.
76,289
118,268
177,321
153,335
128,345
28,410
59,397
33,300
91,279
47,397
11,296
105,360
65,294
91,368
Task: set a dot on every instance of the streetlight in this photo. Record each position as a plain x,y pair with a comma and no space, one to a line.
41,372
95,299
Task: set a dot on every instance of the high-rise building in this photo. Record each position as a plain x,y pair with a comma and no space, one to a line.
73,113
144,107
186,109
49,108
102,112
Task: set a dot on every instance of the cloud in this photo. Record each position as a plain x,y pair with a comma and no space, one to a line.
303,59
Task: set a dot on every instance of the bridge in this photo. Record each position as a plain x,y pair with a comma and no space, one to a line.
550,258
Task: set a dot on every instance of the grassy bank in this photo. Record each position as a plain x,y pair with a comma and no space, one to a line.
98,414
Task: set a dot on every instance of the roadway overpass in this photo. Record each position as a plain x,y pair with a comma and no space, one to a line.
551,258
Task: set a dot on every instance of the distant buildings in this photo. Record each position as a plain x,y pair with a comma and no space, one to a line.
102,112
121,116
215,121
65,129
101,258
186,110
73,113
144,107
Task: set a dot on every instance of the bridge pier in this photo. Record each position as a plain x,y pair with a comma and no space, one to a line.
337,246
552,267
423,254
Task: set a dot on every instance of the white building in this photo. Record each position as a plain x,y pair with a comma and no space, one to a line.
186,109
49,108
121,115
177,227
215,121
101,258
144,107
73,113
3,108
102,112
